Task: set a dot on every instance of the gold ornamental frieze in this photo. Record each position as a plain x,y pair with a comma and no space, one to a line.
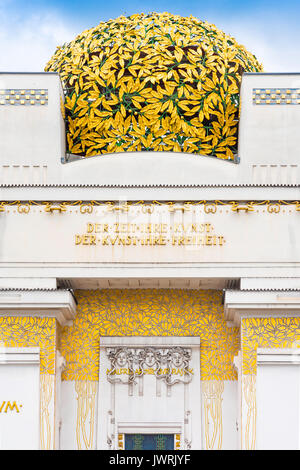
151,312
149,207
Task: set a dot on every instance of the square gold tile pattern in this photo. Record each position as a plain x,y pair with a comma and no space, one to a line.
276,96
23,97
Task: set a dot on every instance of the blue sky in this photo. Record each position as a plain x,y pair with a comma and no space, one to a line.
30,30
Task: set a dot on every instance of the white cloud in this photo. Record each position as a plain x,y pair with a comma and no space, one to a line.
26,46
27,43
274,41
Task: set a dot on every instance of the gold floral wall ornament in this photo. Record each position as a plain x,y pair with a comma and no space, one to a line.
32,331
267,333
156,82
39,332
149,312
270,332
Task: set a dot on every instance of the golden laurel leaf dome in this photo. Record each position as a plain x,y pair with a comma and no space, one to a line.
154,82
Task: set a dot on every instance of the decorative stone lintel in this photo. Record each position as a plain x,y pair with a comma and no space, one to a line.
271,356
59,304
154,341
241,304
19,356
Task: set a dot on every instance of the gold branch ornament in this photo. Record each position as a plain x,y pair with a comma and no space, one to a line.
86,407
213,422
46,392
152,82
249,387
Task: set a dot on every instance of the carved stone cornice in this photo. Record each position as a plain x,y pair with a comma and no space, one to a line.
269,303
59,304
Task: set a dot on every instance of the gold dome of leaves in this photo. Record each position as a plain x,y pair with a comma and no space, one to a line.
153,82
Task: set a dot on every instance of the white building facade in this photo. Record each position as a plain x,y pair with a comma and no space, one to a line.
149,298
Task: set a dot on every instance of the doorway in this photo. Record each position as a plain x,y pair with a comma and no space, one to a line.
149,393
